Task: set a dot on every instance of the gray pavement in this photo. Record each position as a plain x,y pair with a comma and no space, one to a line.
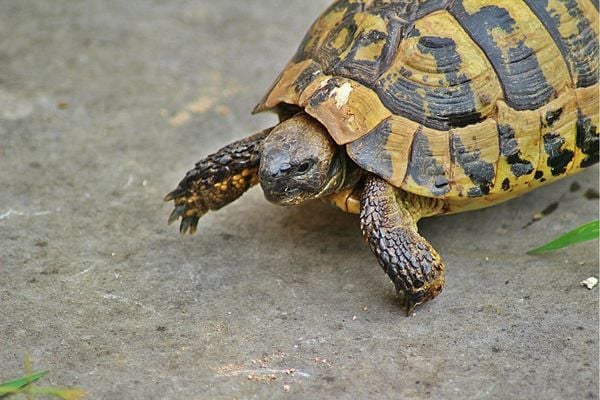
104,105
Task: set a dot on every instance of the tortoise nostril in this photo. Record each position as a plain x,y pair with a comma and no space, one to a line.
280,170
275,164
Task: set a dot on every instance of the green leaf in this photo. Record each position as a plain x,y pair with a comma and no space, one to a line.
589,231
12,386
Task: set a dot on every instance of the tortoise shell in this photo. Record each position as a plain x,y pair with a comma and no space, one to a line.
472,101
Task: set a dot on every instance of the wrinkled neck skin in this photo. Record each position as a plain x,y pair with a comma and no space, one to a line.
349,175
300,161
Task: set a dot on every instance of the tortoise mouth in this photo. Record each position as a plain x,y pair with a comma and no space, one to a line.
285,196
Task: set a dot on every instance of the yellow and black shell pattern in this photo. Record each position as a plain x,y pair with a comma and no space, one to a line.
471,101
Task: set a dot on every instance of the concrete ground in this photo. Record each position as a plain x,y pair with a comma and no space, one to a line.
105,105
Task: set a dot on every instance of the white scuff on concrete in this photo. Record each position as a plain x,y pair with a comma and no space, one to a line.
590,282
123,299
7,214
264,371
14,106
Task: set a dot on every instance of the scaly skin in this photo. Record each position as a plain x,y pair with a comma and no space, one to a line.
216,181
388,220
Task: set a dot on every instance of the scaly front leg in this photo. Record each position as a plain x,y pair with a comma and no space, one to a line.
388,220
216,181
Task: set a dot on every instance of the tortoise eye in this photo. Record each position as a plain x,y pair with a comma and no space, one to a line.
304,167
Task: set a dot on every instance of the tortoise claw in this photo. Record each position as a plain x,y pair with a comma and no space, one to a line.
189,211
189,224
175,194
410,303
412,298
177,212
194,225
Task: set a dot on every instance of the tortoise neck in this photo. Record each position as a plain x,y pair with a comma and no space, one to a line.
352,173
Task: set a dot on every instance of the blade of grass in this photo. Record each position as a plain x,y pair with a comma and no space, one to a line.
12,386
589,231
65,394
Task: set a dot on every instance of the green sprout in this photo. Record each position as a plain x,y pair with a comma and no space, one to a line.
589,231
23,386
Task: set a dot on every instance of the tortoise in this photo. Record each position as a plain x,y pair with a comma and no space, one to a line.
402,109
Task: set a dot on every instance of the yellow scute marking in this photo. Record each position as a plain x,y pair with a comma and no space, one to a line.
480,143
525,127
565,127
422,69
398,146
438,154
588,104
284,90
340,39
529,31
357,115
320,29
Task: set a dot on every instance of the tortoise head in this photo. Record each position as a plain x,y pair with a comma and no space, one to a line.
300,161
